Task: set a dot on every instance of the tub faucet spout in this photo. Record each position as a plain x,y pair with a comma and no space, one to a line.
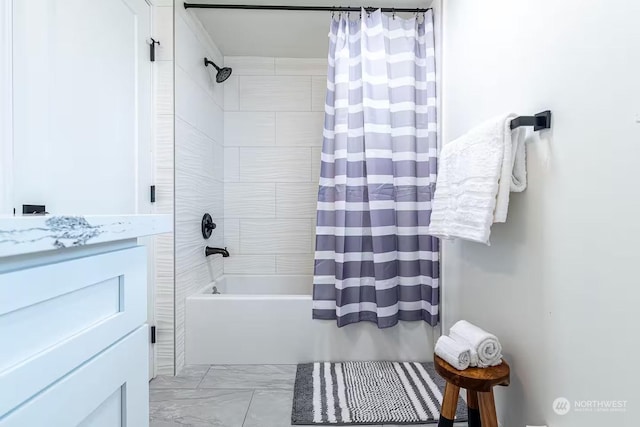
213,251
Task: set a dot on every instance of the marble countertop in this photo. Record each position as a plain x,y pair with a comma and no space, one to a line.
28,234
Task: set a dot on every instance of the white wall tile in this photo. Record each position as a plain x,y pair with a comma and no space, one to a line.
250,200
218,161
318,92
163,143
250,65
164,163
301,129
164,190
249,129
232,235
163,32
296,200
312,237
315,164
191,206
231,164
189,56
250,264
279,236
275,164
204,39
212,121
194,152
164,302
295,264
190,256
218,89
199,167
189,98
189,245
301,66
163,91
272,155
277,93
197,107
215,265
231,94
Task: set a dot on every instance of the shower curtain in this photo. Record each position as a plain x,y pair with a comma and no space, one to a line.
373,260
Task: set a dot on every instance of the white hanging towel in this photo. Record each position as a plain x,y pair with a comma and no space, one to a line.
476,173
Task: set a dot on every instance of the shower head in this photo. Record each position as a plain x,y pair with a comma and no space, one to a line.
223,73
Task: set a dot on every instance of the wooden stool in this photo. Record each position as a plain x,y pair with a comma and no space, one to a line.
479,383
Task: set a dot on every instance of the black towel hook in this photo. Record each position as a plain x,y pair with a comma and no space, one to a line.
539,121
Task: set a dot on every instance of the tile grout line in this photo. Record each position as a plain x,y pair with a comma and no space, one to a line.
203,377
244,420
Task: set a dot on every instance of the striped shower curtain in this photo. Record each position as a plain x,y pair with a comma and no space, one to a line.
373,260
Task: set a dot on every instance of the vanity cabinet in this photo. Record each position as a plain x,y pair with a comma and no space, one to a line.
74,345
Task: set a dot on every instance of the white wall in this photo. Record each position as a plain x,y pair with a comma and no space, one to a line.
559,283
274,112
292,34
199,164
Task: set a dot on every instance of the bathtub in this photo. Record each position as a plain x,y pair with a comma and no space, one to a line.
267,320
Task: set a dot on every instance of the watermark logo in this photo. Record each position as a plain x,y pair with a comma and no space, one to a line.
561,406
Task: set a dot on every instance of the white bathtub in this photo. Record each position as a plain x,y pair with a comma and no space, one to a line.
267,319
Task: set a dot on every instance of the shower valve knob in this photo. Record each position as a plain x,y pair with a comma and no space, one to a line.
207,226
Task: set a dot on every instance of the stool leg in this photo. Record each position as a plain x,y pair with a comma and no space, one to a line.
473,410
449,405
488,409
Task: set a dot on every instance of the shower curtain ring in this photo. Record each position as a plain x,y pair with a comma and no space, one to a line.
393,13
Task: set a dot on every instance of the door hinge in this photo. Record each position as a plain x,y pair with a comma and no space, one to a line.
152,193
152,49
153,335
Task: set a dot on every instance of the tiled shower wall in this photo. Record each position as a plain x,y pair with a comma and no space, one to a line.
272,143
199,166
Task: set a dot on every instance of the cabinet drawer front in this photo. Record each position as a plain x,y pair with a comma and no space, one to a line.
55,317
109,390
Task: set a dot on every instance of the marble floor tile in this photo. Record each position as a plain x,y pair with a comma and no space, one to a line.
198,408
189,377
250,377
270,408
158,423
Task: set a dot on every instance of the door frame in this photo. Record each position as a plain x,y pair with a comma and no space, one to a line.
6,107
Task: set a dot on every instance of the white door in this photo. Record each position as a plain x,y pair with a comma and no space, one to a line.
82,98
82,105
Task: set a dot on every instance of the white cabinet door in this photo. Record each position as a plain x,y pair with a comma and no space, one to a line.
81,105
59,315
109,390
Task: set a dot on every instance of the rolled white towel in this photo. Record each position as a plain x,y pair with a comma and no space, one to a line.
453,352
474,354
486,345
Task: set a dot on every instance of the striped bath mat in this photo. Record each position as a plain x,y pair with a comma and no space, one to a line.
351,393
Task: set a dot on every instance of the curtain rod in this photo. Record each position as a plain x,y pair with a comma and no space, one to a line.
302,8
